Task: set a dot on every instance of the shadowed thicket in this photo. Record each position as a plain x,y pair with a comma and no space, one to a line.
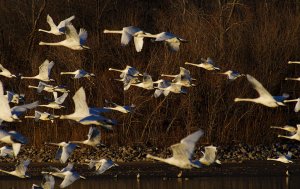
251,37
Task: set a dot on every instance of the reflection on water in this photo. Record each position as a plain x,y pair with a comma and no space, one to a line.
159,183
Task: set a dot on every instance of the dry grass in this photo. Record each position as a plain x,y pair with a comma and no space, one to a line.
256,38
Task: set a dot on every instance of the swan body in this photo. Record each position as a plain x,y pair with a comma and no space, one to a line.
44,71
182,152
79,74
5,72
127,33
265,98
64,151
20,170
57,29
94,137
183,78
73,40
172,41
296,136
56,104
147,82
101,165
207,64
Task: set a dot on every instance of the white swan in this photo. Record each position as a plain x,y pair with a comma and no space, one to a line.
265,98
44,116
128,80
20,170
147,82
127,34
232,75
79,74
182,152
283,158
57,29
13,138
48,183
94,137
56,104
44,71
117,107
207,64
49,88
127,71
172,41
64,151
296,136
165,87
183,78
73,40
297,106
68,174
101,165
4,72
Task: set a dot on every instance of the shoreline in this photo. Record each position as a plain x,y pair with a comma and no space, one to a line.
158,169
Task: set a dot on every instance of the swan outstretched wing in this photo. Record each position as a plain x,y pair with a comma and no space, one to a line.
61,26
61,99
4,104
94,134
71,32
51,23
70,177
105,165
82,36
48,182
22,167
258,87
189,142
138,43
210,154
81,107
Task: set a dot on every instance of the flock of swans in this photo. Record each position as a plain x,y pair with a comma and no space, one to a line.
183,152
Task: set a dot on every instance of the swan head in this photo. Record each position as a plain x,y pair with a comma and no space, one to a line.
105,31
63,117
42,43
93,75
12,75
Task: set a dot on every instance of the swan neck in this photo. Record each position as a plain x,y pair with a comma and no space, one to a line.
156,158
113,31
245,99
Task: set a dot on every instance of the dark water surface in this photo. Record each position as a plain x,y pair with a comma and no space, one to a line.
160,183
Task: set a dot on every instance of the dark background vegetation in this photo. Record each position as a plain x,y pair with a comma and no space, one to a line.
254,37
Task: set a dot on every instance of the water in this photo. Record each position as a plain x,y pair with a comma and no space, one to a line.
159,183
